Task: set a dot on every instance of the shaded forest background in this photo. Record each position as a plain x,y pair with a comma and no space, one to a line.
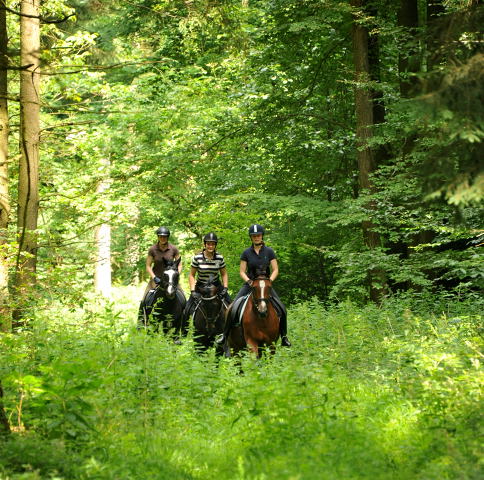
352,130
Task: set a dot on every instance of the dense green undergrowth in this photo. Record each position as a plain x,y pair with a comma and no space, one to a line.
365,393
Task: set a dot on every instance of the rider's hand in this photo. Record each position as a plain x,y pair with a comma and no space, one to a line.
157,280
223,292
196,295
249,282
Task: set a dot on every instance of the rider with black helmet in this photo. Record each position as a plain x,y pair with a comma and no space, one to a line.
158,254
255,260
205,264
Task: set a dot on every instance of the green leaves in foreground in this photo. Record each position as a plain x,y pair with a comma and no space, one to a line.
373,393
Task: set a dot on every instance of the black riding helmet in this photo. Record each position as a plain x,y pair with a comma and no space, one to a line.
163,231
256,229
210,237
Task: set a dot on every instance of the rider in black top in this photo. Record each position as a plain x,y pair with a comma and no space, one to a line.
255,260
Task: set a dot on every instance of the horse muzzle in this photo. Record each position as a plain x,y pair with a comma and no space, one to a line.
262,308
170,292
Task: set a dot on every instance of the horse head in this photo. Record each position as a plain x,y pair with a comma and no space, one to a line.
261,293
211,305
169,280
208,290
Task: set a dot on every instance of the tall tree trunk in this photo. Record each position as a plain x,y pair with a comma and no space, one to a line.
28,186
364,109
102,273
409,60
5,318
4,425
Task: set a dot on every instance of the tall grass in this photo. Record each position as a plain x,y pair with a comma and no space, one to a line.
365,393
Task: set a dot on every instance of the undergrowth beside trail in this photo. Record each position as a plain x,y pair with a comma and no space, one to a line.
365,393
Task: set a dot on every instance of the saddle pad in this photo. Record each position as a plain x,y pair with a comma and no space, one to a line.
239,309
150,297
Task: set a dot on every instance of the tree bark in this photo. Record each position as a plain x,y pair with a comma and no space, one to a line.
364,109
28,185
408,61
4,425
102,273
5,313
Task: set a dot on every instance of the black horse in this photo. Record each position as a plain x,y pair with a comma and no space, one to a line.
208,317
164,304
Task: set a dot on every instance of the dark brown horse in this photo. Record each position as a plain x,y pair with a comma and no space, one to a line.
208,317
260,323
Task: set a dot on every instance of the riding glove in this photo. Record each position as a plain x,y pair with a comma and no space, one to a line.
196,295
157,280
223,292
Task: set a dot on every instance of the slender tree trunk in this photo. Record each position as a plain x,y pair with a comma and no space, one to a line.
5,313
28,186
409,60
102,273
364,122
4,425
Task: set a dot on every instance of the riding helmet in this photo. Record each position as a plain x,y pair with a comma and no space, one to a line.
210,237
163,231
256,229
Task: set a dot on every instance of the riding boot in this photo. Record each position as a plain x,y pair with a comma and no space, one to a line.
228,326
142,316
283,331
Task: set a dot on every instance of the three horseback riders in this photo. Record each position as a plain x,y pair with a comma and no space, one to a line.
210,265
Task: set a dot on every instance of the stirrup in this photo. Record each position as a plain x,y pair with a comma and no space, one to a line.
220,338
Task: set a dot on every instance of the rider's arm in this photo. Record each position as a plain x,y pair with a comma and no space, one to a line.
149,263
180,266
191,278
242,271
274,269
225,277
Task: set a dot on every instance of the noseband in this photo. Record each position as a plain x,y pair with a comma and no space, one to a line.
258,301
209,320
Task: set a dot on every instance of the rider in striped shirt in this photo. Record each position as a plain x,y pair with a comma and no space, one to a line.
205,264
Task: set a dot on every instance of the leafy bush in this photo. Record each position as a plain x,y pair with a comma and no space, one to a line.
373,392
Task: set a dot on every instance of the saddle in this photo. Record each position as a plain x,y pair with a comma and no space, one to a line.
238,309
152,296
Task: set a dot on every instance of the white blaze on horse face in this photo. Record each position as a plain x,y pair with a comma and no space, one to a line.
170,290
262,304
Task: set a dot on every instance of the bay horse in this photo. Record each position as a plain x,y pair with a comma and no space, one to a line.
259,325
164,304
208,317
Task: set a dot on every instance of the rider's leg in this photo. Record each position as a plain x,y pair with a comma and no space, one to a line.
282,321
186,315
143,310
230,319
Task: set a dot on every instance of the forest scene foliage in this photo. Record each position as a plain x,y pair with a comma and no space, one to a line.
350,129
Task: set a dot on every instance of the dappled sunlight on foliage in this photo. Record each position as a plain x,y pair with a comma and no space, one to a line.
377,392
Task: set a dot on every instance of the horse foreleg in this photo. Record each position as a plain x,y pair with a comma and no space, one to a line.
253,347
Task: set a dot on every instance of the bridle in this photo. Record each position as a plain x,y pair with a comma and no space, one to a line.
258,301
209,320
169,281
